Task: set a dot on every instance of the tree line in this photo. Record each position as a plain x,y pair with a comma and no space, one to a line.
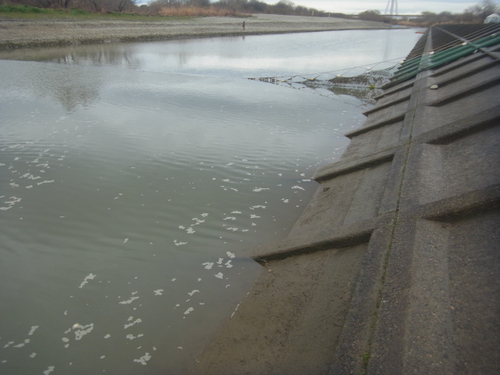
154,7
92,6
473,14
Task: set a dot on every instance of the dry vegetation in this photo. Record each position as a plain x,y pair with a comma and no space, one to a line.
195,11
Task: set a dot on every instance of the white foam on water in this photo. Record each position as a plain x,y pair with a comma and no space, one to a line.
8,344
144,359
129,301
81,331
32,330
132,337
258,190
45,182
257,206
85,281
138,320
10,203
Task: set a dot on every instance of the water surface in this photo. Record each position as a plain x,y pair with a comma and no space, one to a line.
130,199
244,57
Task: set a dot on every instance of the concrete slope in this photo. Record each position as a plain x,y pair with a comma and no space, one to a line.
394,267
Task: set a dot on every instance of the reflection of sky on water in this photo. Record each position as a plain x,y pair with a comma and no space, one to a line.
277,54
251,56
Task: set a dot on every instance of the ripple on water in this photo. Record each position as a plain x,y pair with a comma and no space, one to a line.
128,218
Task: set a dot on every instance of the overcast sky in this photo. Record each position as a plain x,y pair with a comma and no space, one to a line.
404,6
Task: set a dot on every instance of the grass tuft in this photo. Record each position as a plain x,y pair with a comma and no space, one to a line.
21,9
366,359
79,12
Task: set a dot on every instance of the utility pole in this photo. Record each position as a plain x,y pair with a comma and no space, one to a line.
391,9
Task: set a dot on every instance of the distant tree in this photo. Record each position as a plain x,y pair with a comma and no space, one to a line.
467,17
484,9
284,7
234,5
372,15
302,11
117,5
429,18
95,5
64,3
257,6
445,17
42,3
198,3
122,5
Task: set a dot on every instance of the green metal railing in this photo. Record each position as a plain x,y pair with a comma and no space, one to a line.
411,67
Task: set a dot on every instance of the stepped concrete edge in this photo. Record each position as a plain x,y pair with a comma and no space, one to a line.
394,267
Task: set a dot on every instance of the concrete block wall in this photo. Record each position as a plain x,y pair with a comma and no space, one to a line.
394,267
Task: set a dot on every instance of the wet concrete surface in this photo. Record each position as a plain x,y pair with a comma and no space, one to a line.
394,267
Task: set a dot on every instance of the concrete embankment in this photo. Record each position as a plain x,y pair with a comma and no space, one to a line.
18,33
394,267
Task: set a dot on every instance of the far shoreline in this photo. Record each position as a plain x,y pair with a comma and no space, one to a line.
21,33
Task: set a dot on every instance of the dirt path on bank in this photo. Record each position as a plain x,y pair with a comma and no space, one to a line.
37,33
